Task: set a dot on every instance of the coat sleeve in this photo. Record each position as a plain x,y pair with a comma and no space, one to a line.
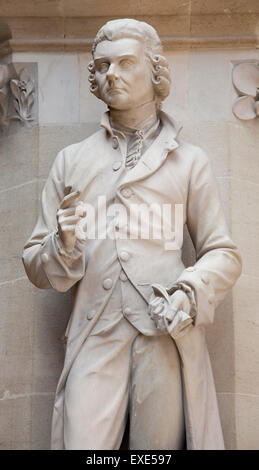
218,262
46,262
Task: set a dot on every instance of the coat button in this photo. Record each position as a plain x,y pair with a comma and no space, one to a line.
190,269
115,143
116,165
91,315
126,192
107,283
44,258
123,276
127,310
211,299
124,256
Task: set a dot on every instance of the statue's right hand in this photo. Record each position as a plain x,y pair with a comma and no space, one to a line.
67,220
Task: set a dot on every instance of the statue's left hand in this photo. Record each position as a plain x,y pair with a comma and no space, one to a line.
178,301
168,316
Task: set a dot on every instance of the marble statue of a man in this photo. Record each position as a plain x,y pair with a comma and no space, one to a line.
135,338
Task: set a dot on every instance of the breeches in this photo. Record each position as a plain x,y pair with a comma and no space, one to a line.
120,372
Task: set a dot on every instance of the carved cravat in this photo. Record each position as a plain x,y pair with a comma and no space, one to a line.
138,140
136,143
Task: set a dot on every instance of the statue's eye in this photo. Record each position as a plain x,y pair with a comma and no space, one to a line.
103,67
125,63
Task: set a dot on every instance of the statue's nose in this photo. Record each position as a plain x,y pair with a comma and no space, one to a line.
112,73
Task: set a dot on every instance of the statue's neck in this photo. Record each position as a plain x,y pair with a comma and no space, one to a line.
139,118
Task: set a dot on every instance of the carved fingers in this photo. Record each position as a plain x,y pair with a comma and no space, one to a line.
69,216
179,301
177,317
172,314
157,308
69,199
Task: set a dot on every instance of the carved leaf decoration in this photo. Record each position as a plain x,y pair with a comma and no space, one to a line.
30,87
15,117
23,99
23,91
30,102
245,78
16,106
244,108
14,85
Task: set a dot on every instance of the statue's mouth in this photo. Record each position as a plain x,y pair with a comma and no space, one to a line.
114,91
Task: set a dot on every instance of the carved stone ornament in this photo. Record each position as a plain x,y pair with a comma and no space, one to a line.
245,77
17,95
23,96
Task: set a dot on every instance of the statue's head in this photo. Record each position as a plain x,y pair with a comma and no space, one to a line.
128,68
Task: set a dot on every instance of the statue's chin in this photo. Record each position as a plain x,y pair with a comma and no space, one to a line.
118,107
121,102
117,101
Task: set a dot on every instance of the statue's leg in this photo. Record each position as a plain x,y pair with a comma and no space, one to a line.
156,402
96,391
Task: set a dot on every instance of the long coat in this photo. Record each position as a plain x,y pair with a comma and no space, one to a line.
169,172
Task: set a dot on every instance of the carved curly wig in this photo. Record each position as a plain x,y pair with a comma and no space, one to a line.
129,28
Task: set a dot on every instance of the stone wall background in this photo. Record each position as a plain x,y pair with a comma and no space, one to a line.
31,320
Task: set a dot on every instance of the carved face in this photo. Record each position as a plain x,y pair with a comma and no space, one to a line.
123,73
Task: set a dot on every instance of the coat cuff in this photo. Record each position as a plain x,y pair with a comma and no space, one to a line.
62,268
204,294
